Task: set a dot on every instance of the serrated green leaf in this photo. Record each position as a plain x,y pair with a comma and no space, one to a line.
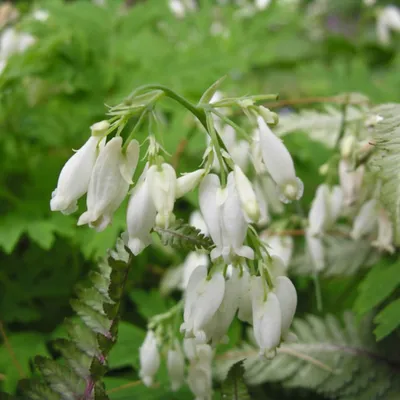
380,283
233,387
388,320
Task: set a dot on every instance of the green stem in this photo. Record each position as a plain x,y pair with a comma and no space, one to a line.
197,111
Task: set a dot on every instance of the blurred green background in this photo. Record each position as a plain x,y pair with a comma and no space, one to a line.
85,56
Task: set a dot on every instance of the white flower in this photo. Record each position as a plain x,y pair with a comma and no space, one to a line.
141,216
269,192
279,163
12,42
347,146
267,318
388,19
246,194
193,260
350,181
149,359
41,15
74,178
218,326
176,367
224,217
366,220
316,251
245,312
188,182
109,183
287,296
202,300
280,246
179,7
197,220
256,155
262,4
262,202
384,240
162,181
325,208
200,379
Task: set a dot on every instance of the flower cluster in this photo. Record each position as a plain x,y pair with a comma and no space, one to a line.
240,276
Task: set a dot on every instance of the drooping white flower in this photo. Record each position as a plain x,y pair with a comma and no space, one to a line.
268,190
316,251
74,178
200,372
280,246
109,183
218,326
202,300
224,217
197,220
319,211
188,182
279,164
350,181
267,318
149,359
347,146
247,195
388,20
366,219
256,156
176,367
245,312
141,216
162,182
193,260
384,241
263,204
287,297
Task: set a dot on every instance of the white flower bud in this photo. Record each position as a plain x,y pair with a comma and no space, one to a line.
74,178
388,19
267,318
279,246
366,220
246,194
141,216
347,146
279,164
162,181
269,116
319,212
350,181
202,300
176,368
188,182
287,296
149,359
109,183
100,128
384,241
316,251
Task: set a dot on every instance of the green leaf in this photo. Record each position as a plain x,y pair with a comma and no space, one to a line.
125,353
23,347
379,284
388,320
149,303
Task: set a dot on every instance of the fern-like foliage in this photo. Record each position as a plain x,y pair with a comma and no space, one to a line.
90,338
386,159
234,387
325,126
184,237
340,361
